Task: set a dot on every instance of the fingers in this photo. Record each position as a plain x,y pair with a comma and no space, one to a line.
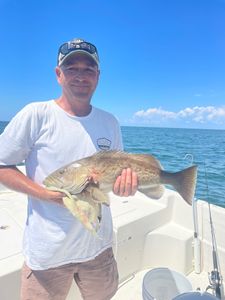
126,184
116,187
58,197
134,185
53,196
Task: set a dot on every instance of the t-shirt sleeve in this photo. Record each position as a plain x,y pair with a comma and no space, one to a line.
17,139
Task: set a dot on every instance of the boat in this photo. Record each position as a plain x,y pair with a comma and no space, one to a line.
165,249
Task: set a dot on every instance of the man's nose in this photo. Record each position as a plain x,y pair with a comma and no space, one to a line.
80,73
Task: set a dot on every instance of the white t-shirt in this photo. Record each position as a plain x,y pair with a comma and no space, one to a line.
47,138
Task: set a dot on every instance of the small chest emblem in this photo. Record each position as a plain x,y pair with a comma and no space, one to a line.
103,143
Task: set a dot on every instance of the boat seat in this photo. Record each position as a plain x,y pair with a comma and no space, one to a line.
169,246
133,219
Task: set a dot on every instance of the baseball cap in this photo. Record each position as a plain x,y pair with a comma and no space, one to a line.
77,46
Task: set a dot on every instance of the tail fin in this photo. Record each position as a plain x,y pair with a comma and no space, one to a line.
184,182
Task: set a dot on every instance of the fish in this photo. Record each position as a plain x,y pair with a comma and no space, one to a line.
87,182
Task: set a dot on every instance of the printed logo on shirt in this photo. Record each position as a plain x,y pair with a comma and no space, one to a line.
103,143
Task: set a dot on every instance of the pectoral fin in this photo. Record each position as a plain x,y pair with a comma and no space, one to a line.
87,212
84,212
97,195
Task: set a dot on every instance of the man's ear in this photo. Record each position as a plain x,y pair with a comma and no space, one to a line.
58,72
98,74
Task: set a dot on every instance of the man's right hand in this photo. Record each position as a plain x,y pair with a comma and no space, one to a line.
53,196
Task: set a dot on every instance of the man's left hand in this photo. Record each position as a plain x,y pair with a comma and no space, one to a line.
126,184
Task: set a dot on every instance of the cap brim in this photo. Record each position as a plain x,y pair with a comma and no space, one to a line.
73,53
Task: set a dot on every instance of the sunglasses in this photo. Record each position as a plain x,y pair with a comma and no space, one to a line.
68,47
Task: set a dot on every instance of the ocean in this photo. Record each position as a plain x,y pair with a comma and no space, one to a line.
177,148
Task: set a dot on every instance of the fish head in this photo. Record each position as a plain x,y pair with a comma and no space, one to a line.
72,178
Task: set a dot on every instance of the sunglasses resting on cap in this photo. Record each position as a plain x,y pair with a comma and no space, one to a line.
77,46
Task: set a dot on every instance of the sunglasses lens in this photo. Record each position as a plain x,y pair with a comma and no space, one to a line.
88,47
64,49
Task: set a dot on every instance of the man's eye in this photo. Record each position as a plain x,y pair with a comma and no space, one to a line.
90,71
86,71
72,70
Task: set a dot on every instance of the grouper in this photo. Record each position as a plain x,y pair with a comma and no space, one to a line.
86,182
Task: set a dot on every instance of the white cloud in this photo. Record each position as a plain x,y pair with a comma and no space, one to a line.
189,115
152,112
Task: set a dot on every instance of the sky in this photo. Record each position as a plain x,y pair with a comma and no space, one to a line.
162,61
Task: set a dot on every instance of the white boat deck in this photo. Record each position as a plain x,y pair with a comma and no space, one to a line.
148,234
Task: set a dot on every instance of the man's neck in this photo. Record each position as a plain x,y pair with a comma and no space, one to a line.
74,107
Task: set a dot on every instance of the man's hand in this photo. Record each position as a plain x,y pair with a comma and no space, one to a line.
52,196
126,184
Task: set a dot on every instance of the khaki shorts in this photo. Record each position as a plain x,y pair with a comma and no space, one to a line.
97,279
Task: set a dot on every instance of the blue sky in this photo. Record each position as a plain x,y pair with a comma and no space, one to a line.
162,61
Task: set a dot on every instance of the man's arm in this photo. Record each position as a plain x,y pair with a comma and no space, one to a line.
13,178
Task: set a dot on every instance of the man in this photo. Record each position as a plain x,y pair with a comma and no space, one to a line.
48,135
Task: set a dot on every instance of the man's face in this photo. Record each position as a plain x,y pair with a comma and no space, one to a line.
78,76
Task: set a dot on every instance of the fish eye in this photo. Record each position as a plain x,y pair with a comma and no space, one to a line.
61,172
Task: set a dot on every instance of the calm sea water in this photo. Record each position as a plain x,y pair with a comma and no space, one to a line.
177,149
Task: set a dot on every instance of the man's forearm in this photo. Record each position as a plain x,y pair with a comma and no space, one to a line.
13,178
